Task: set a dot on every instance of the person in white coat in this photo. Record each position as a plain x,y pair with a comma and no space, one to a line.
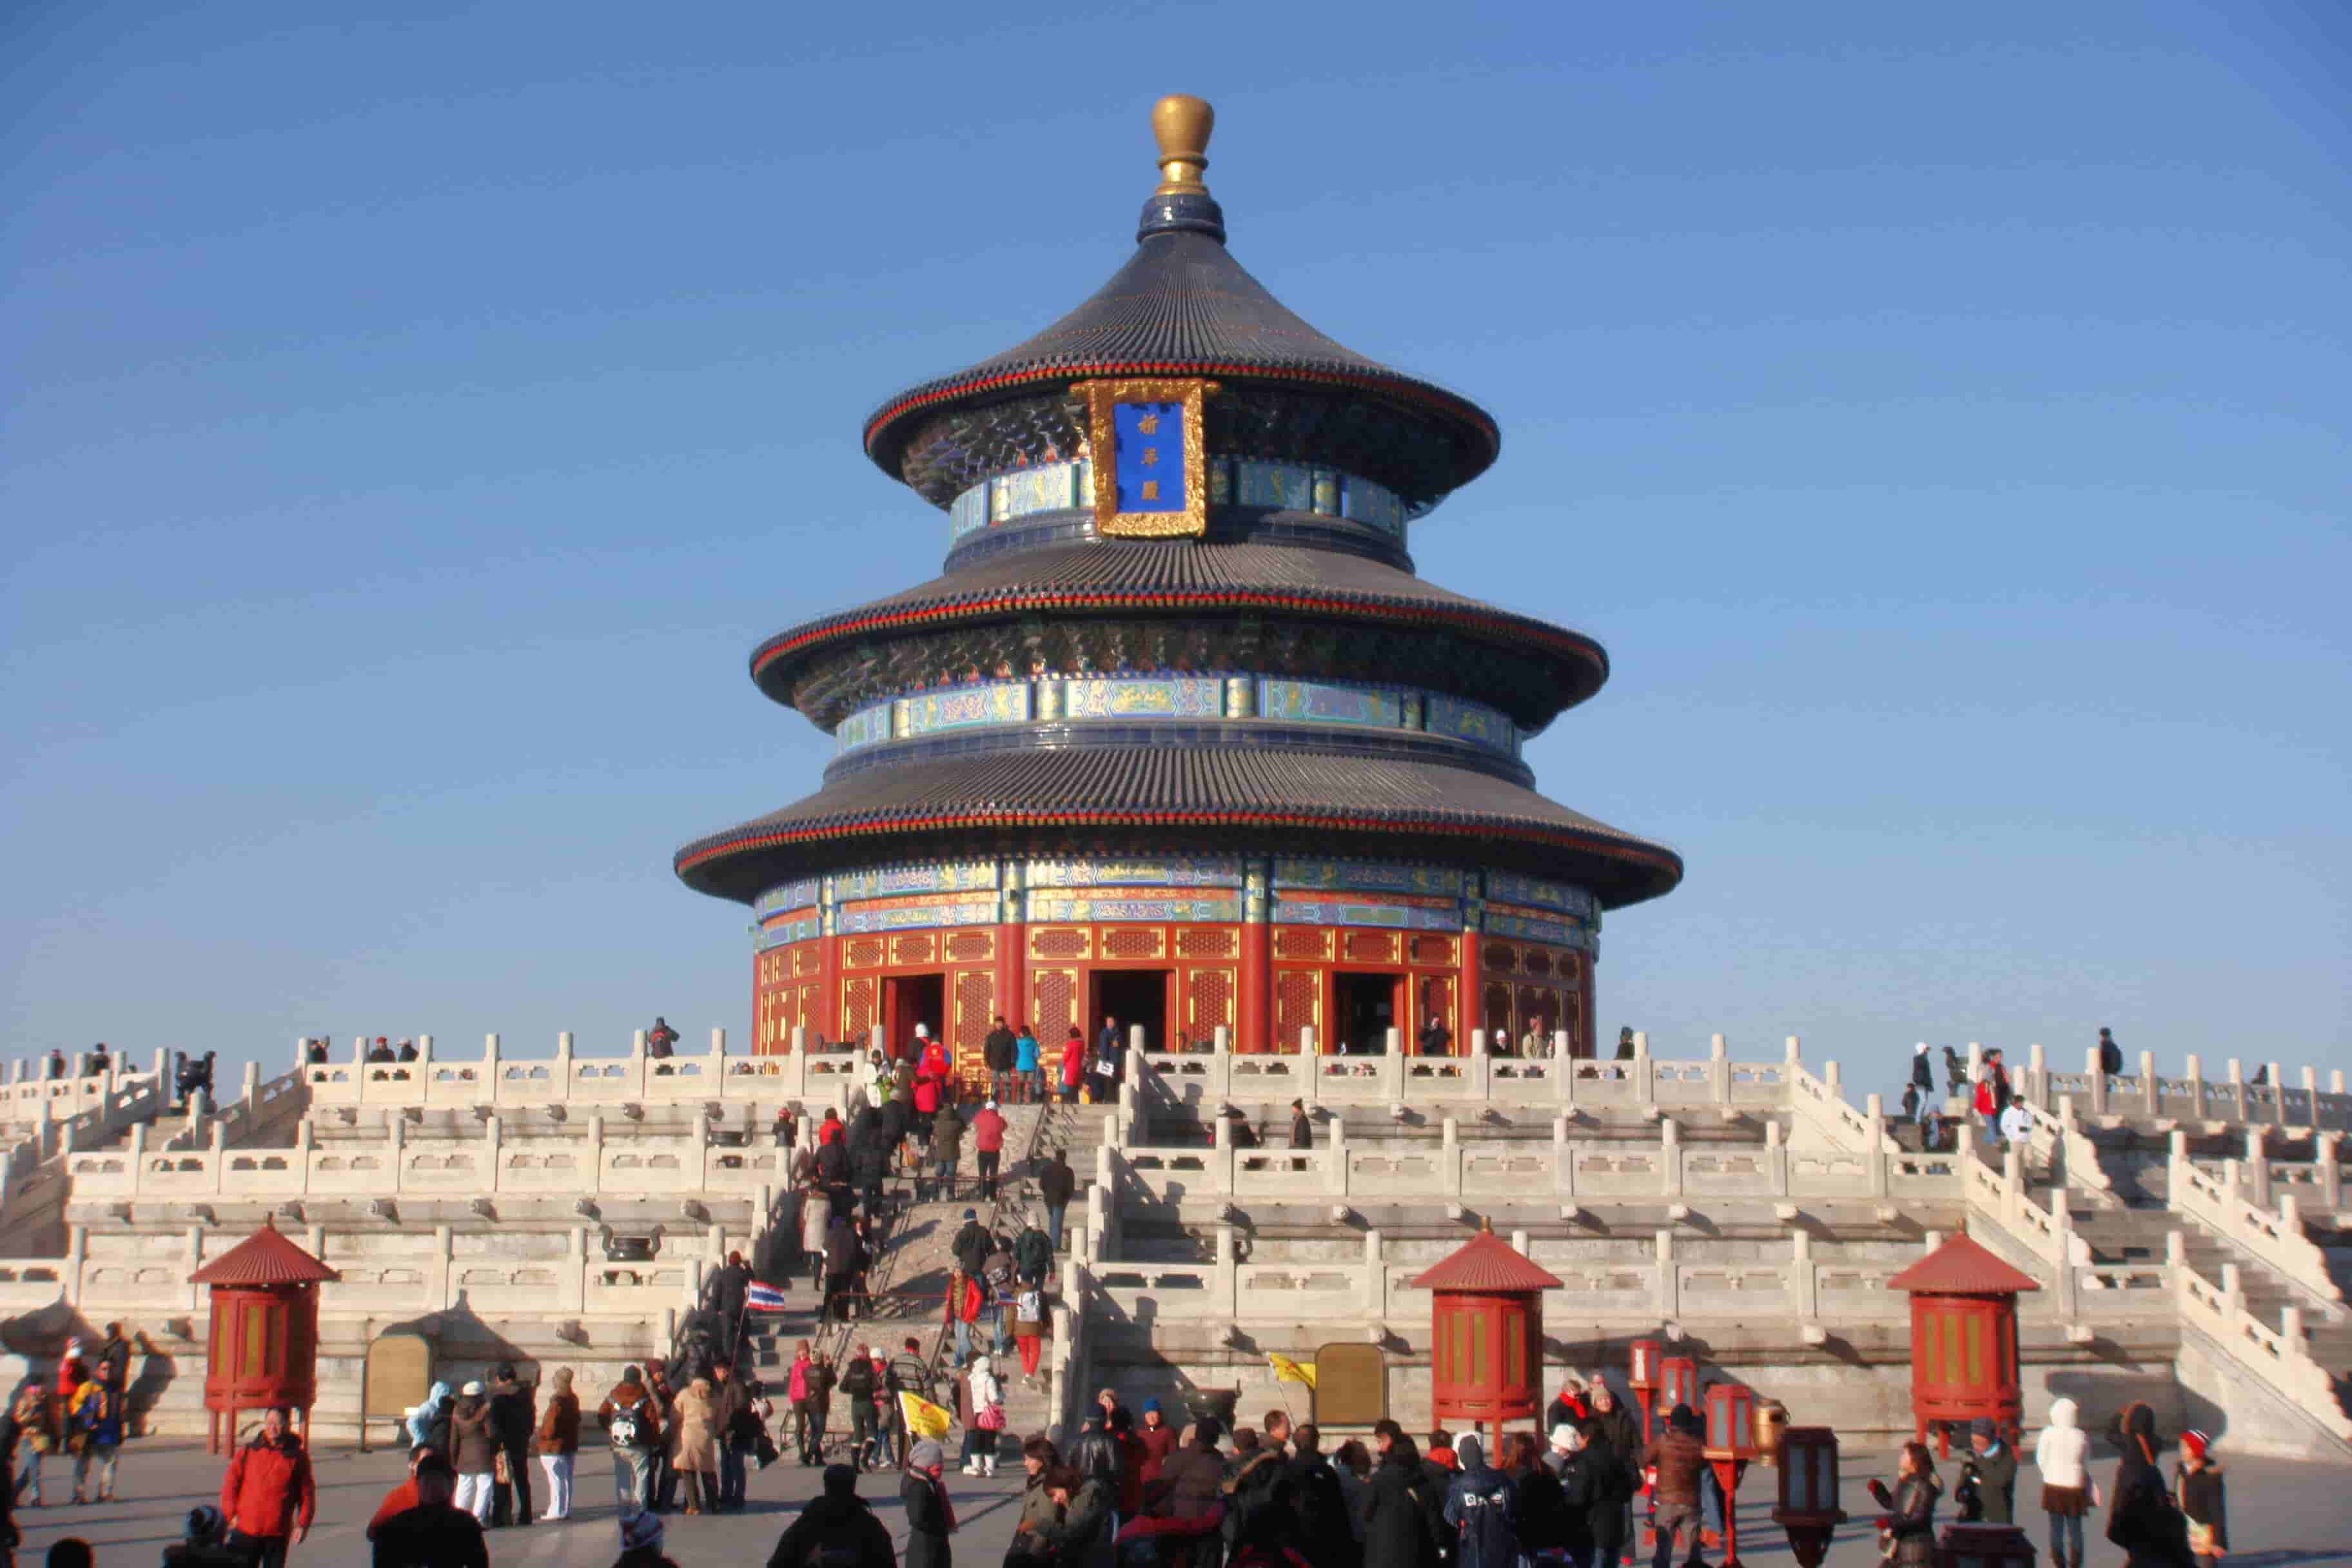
983,1417
2068,1492
2016,1124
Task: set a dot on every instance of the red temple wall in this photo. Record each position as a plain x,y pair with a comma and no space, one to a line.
839,987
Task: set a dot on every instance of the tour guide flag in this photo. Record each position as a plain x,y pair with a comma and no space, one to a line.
759,1297
1289,1371
923,1419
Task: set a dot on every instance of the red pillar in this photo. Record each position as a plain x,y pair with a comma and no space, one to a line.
826,1024
1013,974
1254,1011
1469,998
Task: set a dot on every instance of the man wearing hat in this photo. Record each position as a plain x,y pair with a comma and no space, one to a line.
923,1498
1996,1466
1159,1440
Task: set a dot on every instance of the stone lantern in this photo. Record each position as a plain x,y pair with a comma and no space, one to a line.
1677,1384
1641,1376
1809,1507
1730,1443
1485,1333
263,1351
1963,1340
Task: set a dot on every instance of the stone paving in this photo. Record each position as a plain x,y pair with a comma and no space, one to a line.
2284,1514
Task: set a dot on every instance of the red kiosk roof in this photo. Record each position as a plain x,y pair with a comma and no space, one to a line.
1485,1262
265,1257
1962,1266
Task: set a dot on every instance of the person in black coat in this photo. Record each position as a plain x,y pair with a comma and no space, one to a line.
2141,1516
930,1517
1397,1531
1604,1489
511,1419
839,1525
1325,1537
1543,1521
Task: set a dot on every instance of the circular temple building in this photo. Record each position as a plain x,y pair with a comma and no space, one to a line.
1176,736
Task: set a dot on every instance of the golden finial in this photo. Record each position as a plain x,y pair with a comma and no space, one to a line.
1181,124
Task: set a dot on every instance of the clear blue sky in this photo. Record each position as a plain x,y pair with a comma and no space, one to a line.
415,415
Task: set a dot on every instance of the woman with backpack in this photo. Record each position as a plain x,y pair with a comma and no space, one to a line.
1029,1326
633,1425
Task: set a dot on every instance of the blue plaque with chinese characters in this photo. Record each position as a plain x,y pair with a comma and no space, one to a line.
1150,441
1149,461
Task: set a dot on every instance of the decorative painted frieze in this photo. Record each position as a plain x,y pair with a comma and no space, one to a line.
1066,908
1399,913
1232,481
944,876
1124,697
1189,871
867,916
1511,887
802,894
1058,698
1369,876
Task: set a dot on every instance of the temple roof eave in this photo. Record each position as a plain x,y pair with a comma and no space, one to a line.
1270,580
1221,793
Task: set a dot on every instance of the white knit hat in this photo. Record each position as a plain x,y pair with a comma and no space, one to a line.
1566,1439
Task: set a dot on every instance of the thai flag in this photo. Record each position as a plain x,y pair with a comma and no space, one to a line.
759,1297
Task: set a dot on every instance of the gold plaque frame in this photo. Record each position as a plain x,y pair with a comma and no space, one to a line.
1103,449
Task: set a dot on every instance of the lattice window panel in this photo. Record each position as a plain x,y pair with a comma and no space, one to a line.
856,1006
1370,946
1539,1010
1060,941
920,947
1053,1006
861,952
1297,1004
1204,943
975,1010
808,1012
1427,950
1208,1000
1135,941
1302,942
1436,1001
1535,961
971,946
1500,955
1496,1012
806,960
1571,970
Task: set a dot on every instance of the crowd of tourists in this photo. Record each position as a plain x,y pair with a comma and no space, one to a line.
73,1423
1987,1092
1131,1490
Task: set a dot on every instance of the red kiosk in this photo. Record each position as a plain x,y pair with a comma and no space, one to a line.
264,1345
1963,1340
1485,1333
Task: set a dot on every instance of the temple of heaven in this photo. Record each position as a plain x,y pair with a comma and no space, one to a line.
1177,736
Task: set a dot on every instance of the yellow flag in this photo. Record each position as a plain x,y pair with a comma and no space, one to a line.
1289,1371
924,1419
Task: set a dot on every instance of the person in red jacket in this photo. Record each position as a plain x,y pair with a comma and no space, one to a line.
1074,1064
988,1138
963,1300
268,1496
